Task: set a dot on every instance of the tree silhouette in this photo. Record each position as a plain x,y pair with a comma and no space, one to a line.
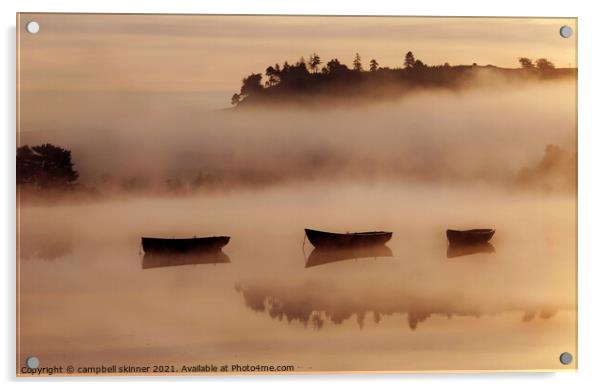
251,84
373,65
526,63
334,66
409,60
419,65
357,62
302,80
273,75
544,64
314,62
45,166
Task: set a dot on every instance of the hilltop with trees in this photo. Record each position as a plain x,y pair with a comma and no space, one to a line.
306,80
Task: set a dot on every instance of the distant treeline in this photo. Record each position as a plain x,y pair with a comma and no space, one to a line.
308,79
45,166
556,171
46,173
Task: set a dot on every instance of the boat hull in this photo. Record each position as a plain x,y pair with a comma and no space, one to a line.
320,239
469,237
183,245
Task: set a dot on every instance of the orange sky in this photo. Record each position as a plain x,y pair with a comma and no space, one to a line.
209,55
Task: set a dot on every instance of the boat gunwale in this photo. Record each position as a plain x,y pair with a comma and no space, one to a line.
469,231
183,239
372,233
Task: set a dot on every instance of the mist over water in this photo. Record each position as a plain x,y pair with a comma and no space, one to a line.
478,134
417,166
414,310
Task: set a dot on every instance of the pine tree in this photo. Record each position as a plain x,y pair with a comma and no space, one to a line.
373,65
357,62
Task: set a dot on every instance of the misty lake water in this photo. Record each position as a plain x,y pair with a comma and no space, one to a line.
85,298
140,107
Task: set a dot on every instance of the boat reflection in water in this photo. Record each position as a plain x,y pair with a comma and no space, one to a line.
458,250
157,260
320,256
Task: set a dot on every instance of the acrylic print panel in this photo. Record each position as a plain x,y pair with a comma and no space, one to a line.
167,166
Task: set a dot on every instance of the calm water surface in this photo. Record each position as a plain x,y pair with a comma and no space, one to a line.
88,296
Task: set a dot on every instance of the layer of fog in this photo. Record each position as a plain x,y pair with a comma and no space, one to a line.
477,135
531,271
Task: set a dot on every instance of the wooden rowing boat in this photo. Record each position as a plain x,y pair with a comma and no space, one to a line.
320,239
183,245
469,237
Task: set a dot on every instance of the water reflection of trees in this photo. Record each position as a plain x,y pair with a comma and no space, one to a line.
315,304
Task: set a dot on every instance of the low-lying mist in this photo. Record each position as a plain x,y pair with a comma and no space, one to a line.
478,135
